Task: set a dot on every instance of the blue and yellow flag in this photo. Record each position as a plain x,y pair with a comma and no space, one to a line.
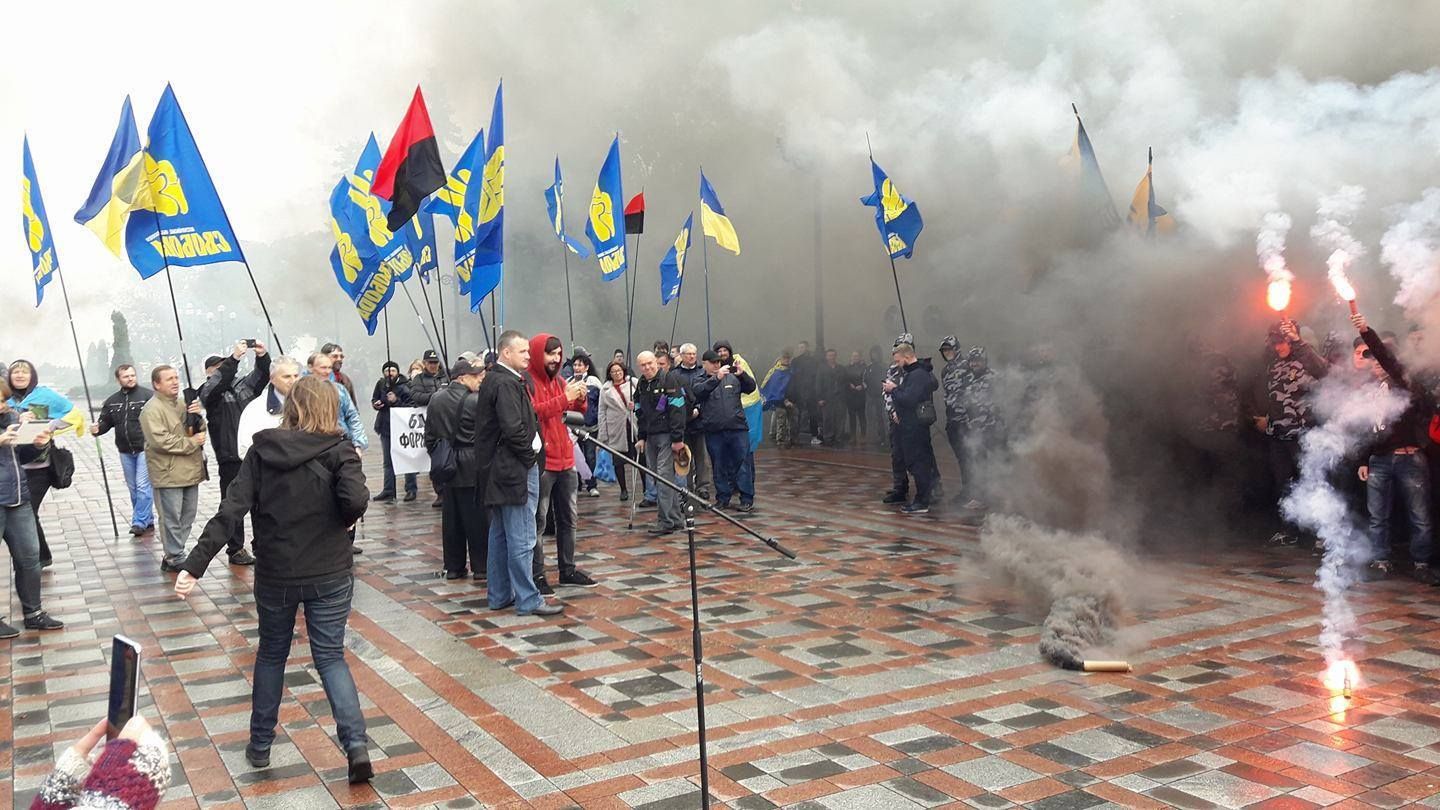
1146,216
420,235
119,188
672,267
454,200
368,259
897,217
712,218
490,221
37,226
189,227
606,225
1094,194
555,204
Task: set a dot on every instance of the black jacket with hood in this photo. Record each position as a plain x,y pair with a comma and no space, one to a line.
720,408
303,492
917,384
225,399
506,432
1412,427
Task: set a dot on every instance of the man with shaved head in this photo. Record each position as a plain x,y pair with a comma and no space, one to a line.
660,408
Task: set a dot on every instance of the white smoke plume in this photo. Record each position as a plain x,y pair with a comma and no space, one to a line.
1270,246
1411,250
1347,413
1334,215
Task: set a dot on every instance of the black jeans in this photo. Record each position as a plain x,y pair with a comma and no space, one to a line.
38,480
1284,457
228,471
327,608
557,491
899,481
387,486
919,457
856,412
464,529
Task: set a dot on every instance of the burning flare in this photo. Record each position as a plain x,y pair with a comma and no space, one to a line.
1338,261
1277,295
1341,677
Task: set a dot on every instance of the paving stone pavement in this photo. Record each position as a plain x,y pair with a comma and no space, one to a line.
882,669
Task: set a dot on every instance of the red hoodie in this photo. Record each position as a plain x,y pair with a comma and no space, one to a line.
547,395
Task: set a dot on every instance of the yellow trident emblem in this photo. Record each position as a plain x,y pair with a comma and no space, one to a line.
34,229
602,215
166,194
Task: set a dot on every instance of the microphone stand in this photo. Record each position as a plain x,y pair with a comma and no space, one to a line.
691,500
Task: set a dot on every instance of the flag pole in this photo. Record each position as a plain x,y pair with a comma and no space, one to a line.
89,404
895,274
484,329
385,314
705,258
626,300
174,307
634,284
675,321
421,318
569,305
494,319
440,302
442,348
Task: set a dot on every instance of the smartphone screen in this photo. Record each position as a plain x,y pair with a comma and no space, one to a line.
250,343
124,680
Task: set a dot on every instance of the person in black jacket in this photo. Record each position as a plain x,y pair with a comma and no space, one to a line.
422,387
507,444
463,523
1395,461
303,487
727,434
660,412
121,412
917,385
225,399
392,390
689,372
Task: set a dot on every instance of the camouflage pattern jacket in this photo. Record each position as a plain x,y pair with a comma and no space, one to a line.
1288,385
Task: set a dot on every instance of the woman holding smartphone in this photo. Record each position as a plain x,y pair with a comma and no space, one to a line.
28,395
302,485
17,521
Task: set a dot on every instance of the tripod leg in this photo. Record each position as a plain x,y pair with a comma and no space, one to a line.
699,655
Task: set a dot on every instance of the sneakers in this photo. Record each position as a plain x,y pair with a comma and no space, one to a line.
815,441
543,585
546,609
1422,574
360,770
170,566
916,508
579,579
6,631
594,493
747,508
42,621
242,557
257,758
1378,570
894,497
384,497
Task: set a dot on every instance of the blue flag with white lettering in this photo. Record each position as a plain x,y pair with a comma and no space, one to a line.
188,226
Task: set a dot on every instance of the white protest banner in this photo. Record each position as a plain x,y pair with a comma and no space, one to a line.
407,441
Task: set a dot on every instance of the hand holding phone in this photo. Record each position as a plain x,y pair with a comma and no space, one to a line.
124,682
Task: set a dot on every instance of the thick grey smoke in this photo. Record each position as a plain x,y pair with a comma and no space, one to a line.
1348,412
1411,249
1334,214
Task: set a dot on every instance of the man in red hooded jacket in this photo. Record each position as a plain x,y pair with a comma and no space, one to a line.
552,396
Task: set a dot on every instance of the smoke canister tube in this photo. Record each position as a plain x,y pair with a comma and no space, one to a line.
1105,666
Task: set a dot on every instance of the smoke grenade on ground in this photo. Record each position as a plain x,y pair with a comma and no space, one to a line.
1347,413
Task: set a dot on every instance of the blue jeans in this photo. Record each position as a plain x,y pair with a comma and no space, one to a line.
728,451
137,480
327,607
1410,474
512,551
388,487
17,524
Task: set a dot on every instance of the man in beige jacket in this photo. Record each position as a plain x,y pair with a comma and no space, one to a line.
176,460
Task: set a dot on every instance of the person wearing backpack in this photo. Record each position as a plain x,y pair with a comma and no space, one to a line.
450,438
913,399
303,487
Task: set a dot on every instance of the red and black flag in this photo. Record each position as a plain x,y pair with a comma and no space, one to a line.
411,168
635,215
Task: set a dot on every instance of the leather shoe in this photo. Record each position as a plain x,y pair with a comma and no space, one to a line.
383,497
546,609
257,758
359,765
454,574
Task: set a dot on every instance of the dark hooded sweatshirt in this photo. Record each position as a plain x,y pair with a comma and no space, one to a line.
303,492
